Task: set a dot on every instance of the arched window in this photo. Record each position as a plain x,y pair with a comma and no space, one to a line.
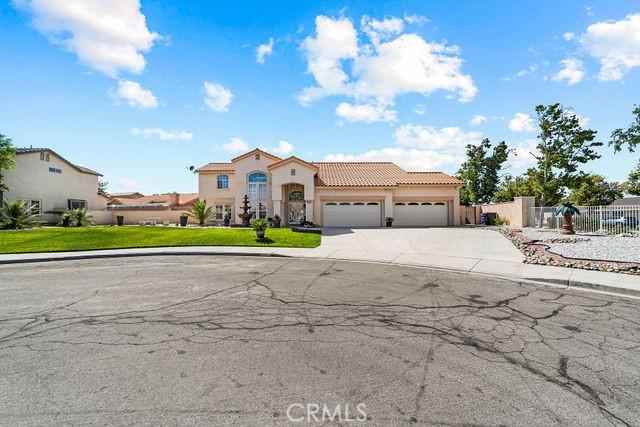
223,181
296,196
257,192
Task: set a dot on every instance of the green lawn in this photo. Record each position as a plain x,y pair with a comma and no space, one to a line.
88,238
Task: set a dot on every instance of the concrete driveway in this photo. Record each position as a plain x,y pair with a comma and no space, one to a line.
465,245
226,340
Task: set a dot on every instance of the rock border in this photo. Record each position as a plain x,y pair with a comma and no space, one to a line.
536,252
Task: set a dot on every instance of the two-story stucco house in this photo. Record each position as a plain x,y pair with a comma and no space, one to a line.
50,183
340,194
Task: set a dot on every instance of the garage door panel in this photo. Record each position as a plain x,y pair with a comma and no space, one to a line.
420,215
351,214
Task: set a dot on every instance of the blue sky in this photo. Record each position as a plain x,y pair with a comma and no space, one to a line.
141,91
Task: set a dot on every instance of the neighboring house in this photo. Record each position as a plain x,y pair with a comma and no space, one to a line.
634,201
50,183
347,194
157,208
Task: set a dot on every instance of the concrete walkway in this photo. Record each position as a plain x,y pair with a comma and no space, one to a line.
457,249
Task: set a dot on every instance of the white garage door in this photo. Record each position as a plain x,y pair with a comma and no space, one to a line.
420,214
351,214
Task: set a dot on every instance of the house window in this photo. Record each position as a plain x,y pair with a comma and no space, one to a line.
223,181
55,170
35,206
257,192
296,196
257,156
42,156
221,210
293,172
46,157
76,203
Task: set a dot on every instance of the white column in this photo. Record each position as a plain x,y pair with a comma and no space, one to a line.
309,210
277,208
388,204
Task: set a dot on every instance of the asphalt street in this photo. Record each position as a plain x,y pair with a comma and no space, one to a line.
259,341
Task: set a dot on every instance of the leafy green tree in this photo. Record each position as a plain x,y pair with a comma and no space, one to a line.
102,188
562,148
480,172
593,190
16,214
201,211
524,185
632,185
629,137
7,153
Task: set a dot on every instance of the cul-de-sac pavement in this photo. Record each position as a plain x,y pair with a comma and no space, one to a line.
223,340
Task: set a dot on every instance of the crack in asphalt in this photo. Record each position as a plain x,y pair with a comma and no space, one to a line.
555,335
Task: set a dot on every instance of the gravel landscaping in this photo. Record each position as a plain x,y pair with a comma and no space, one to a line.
588,246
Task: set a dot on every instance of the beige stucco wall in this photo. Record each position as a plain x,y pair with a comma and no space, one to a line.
31,179
281,176
515,212
134,216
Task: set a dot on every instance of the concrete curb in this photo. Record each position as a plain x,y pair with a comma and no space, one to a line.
619,290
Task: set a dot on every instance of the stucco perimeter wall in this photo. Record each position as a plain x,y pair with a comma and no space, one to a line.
515,212
133,217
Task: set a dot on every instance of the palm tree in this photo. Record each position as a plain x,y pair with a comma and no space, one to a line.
201,211
16,214
568,211
81,217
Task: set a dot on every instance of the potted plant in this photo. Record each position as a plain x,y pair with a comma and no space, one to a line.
226,219
567,210
276,221
389,221
260,225
183,220
64,218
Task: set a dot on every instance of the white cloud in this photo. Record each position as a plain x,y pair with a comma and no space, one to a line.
393,64
522,154
477,120
521,122
529,70
615,44
420,148
410,159
283,148
419,109
415,19
428,137
264,50
235,145
163,135
126,184
134,95
107,35
572,71
367,113
568,36
378,30
217,97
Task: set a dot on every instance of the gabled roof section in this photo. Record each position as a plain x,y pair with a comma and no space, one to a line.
48,150
358,174
375,174
216,167
256,151
292,159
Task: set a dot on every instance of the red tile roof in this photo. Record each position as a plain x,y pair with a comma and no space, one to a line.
216,167
375,174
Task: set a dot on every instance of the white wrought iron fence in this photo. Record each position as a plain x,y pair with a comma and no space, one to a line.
612,219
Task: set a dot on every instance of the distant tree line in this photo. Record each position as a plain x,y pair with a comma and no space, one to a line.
563,148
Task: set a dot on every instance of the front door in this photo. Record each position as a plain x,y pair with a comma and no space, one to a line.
296,212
